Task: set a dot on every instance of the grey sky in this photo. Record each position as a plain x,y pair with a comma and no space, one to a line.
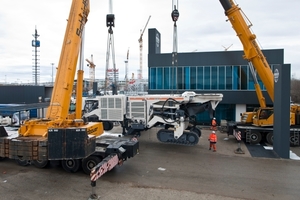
202,26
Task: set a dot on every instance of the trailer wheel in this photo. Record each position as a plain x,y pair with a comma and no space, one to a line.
270,138
294,140
40,163
255,137
22,162
89,163
108,125
71,165
196,130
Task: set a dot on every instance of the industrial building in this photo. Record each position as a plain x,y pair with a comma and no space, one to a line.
223,72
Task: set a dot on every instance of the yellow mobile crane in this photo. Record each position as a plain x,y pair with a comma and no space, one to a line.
60,135
259,123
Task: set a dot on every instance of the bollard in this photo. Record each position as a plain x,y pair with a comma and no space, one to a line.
239,138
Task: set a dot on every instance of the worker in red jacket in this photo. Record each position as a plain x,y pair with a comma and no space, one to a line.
212,141
213,124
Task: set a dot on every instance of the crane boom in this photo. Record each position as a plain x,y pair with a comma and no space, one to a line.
62,90
58,115
251,49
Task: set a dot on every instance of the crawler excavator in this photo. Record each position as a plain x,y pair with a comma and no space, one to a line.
61,135
259,123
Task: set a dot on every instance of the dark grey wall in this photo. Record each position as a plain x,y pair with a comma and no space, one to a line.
21,94
274,56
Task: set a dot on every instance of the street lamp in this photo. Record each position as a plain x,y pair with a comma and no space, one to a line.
52,72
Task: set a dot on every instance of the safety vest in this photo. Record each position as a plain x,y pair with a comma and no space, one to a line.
214,123
213,137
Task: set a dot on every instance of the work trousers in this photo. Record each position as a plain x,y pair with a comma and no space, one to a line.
213,145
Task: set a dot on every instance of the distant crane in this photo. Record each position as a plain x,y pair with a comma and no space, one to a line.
110,22
140,74
226,48
92,72
126,71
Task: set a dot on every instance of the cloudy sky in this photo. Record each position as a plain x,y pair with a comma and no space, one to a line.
201,26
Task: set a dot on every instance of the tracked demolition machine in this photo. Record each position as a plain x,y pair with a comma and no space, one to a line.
173,114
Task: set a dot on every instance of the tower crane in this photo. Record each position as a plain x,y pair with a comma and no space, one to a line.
92,71
126,71
110,22
175,16
140,74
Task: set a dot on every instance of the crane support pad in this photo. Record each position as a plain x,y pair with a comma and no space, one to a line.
70,143
104,166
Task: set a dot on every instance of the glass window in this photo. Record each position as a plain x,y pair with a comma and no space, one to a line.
193,78
159,76
180,80
166,79
187,79
173,79
236,78
228,77
214,77
207,78
200,78
152,79
221,77
244,79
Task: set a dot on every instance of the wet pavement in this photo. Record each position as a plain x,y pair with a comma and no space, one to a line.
163,171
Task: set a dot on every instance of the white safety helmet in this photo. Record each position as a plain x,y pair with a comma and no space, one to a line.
213,132
214,118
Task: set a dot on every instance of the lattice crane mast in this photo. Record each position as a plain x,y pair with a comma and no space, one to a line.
126,71
92,72
140,74
175,16
110,22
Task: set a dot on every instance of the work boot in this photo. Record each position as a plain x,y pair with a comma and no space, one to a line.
209,149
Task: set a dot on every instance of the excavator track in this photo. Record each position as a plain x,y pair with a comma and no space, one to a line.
188,138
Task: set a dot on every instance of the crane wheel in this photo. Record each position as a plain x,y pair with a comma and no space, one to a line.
22,162
71,165
89,163
255,137
270,138
196,130
40,163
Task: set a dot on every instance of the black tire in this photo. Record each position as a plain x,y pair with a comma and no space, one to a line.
196,130
294,140
2,158
71,165
255,137
270,138
22,162
107,125
40,163
89,163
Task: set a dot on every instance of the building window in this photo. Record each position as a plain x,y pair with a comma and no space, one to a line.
187,78
214,78
180,78
228,77
207,78
159,77
166,79
222,77
200,78
193,77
